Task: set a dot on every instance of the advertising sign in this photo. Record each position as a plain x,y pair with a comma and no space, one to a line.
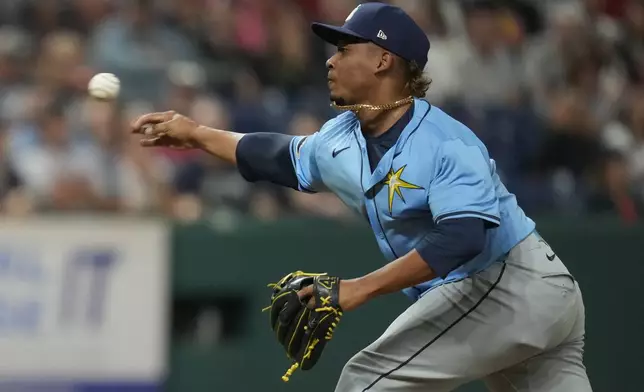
83,305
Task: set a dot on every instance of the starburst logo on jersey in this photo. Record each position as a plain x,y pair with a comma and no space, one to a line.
394,183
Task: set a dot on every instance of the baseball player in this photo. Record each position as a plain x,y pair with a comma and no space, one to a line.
491,300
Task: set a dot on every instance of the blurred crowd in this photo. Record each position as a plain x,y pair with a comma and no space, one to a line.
555,88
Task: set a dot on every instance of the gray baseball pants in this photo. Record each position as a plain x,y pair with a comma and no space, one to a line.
517,325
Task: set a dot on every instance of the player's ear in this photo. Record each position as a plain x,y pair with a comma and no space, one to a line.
385,61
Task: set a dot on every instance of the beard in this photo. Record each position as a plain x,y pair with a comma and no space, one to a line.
338,100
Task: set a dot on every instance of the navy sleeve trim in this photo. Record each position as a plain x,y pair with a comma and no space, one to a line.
299,145
472,214
452,243
306,190
266,157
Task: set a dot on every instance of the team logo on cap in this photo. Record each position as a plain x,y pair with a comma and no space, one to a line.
352,12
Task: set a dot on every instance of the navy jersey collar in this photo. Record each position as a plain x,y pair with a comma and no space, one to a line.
421,109
389,138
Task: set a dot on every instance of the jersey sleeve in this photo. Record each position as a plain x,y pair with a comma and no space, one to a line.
462,185
303,156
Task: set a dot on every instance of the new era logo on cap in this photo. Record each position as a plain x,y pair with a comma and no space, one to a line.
382,35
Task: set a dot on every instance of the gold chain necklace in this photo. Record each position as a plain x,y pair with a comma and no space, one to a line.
387,106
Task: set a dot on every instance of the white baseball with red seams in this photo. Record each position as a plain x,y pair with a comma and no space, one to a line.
104,86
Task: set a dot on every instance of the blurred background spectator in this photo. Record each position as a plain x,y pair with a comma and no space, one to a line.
553,87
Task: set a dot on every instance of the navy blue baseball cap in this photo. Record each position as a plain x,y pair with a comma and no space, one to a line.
385,25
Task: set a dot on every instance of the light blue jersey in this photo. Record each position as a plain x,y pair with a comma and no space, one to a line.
438,169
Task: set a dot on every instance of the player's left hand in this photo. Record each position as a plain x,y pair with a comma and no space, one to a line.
351,295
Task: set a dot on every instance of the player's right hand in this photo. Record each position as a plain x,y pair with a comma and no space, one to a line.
166,129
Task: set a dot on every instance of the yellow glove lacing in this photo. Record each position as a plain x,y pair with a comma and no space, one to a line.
311,346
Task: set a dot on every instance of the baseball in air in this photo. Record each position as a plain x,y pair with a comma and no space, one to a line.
104,86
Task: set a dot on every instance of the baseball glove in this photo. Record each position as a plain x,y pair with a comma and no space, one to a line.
303,327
